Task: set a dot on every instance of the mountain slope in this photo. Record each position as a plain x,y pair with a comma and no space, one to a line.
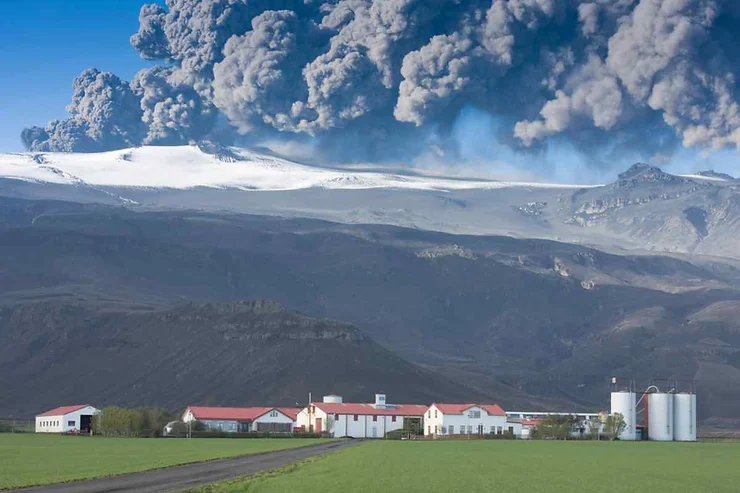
645,209
505,317
228,354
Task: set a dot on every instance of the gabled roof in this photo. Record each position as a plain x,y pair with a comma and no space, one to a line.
491,409
246,414
61,411
370,409
228,413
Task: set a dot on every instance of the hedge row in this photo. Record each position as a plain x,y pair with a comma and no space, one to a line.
226,434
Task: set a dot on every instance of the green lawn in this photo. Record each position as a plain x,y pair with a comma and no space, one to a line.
508,467
27,459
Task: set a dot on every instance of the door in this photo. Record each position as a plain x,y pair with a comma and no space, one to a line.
85,423
318,425
375,432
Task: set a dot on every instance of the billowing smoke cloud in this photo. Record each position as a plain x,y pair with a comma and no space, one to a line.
384,72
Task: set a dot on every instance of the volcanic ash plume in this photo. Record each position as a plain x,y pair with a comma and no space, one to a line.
546,68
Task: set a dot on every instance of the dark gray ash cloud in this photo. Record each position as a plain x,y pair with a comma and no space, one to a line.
594,72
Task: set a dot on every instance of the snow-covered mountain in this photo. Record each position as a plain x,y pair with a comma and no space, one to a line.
188,167
646,209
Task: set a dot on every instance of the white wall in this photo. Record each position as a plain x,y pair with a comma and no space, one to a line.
366,425
345,424
273,416
63,423
437,423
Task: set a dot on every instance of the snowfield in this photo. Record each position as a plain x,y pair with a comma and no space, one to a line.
188,167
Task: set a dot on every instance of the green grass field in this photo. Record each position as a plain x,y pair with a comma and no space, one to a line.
508,467
27,459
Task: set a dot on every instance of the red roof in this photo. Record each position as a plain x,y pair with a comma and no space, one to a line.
238,413
370,409
61,411
291,412
491,409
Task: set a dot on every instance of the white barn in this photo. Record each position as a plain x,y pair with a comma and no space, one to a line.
357,420
466,419
66,419
244,419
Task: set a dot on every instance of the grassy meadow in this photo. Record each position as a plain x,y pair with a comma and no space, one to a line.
507,466
28,459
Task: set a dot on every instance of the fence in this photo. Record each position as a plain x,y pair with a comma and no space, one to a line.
17,425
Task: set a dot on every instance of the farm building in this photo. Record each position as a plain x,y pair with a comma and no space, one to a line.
466,419
66,419
243,419
529,420
343,419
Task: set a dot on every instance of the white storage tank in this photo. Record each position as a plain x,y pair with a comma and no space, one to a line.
684,417
333,399
624,404
660,417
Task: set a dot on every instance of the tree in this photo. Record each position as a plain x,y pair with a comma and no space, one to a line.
555,427
614,426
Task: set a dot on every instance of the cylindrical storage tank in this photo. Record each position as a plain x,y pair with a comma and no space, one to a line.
624,404
660,417
684,417
334,399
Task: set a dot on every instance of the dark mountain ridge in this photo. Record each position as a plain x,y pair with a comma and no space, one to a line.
519,321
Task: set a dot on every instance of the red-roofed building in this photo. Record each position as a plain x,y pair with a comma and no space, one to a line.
466,419
66,419
243,419
357,420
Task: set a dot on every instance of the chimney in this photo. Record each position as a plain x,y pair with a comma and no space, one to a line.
380,400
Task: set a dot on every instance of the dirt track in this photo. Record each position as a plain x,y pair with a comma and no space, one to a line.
189,476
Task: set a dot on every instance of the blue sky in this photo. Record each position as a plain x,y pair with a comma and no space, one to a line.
45,44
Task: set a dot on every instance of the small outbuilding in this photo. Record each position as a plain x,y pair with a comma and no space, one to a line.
66,419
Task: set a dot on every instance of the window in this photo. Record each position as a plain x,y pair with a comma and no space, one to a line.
500,430
435,429
511,430
273,414
470,429
429,429
336,417
70,423
474,414
232,426
393,419
435,413
429,414
493,429
356,417
375,418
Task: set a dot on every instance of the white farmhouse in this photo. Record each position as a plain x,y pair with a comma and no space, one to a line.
66,419
466,419
243,419
343,419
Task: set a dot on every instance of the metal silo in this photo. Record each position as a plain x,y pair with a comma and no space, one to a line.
684,417
660,417
624,403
